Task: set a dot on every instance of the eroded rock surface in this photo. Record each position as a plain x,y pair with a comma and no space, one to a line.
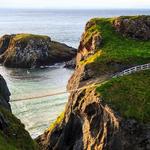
134,27
71,64
88,122
27,51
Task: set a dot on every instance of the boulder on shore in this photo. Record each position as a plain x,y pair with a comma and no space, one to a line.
29,51
71,64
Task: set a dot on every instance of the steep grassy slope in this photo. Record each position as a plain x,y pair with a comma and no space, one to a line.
13,135
129,95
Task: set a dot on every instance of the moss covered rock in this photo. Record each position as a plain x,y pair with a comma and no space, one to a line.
13,135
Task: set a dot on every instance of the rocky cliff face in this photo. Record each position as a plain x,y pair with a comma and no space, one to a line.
27,50
135,27
4,94
13,135
89,123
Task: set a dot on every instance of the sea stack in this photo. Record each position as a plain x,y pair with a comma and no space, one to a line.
29,51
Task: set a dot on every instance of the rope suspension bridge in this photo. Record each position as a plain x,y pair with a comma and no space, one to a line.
122,73
55,93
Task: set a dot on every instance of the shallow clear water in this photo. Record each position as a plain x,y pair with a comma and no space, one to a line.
62,25
37,114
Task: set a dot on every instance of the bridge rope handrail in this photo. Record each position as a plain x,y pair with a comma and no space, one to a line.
57,93
122,73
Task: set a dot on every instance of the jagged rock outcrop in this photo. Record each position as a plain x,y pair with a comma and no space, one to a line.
134,27
13,135
4,94
71,64
88,44
27,51
4,101
89,123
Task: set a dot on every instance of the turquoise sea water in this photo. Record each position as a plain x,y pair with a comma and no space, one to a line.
62,25
37,114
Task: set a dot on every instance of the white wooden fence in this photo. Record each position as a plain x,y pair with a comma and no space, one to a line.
132,70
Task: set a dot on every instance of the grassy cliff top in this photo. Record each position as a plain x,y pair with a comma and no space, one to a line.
116,48
25,36
129,95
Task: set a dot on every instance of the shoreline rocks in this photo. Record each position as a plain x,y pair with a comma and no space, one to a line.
71,64
30,51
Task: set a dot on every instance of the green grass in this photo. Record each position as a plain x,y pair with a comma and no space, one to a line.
4,144
14,136
129,95
25,36
116,48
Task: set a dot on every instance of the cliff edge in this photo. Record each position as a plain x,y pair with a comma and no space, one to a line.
111,113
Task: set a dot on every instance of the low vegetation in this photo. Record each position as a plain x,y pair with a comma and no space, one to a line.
13,136
116,49
25,36
129,95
